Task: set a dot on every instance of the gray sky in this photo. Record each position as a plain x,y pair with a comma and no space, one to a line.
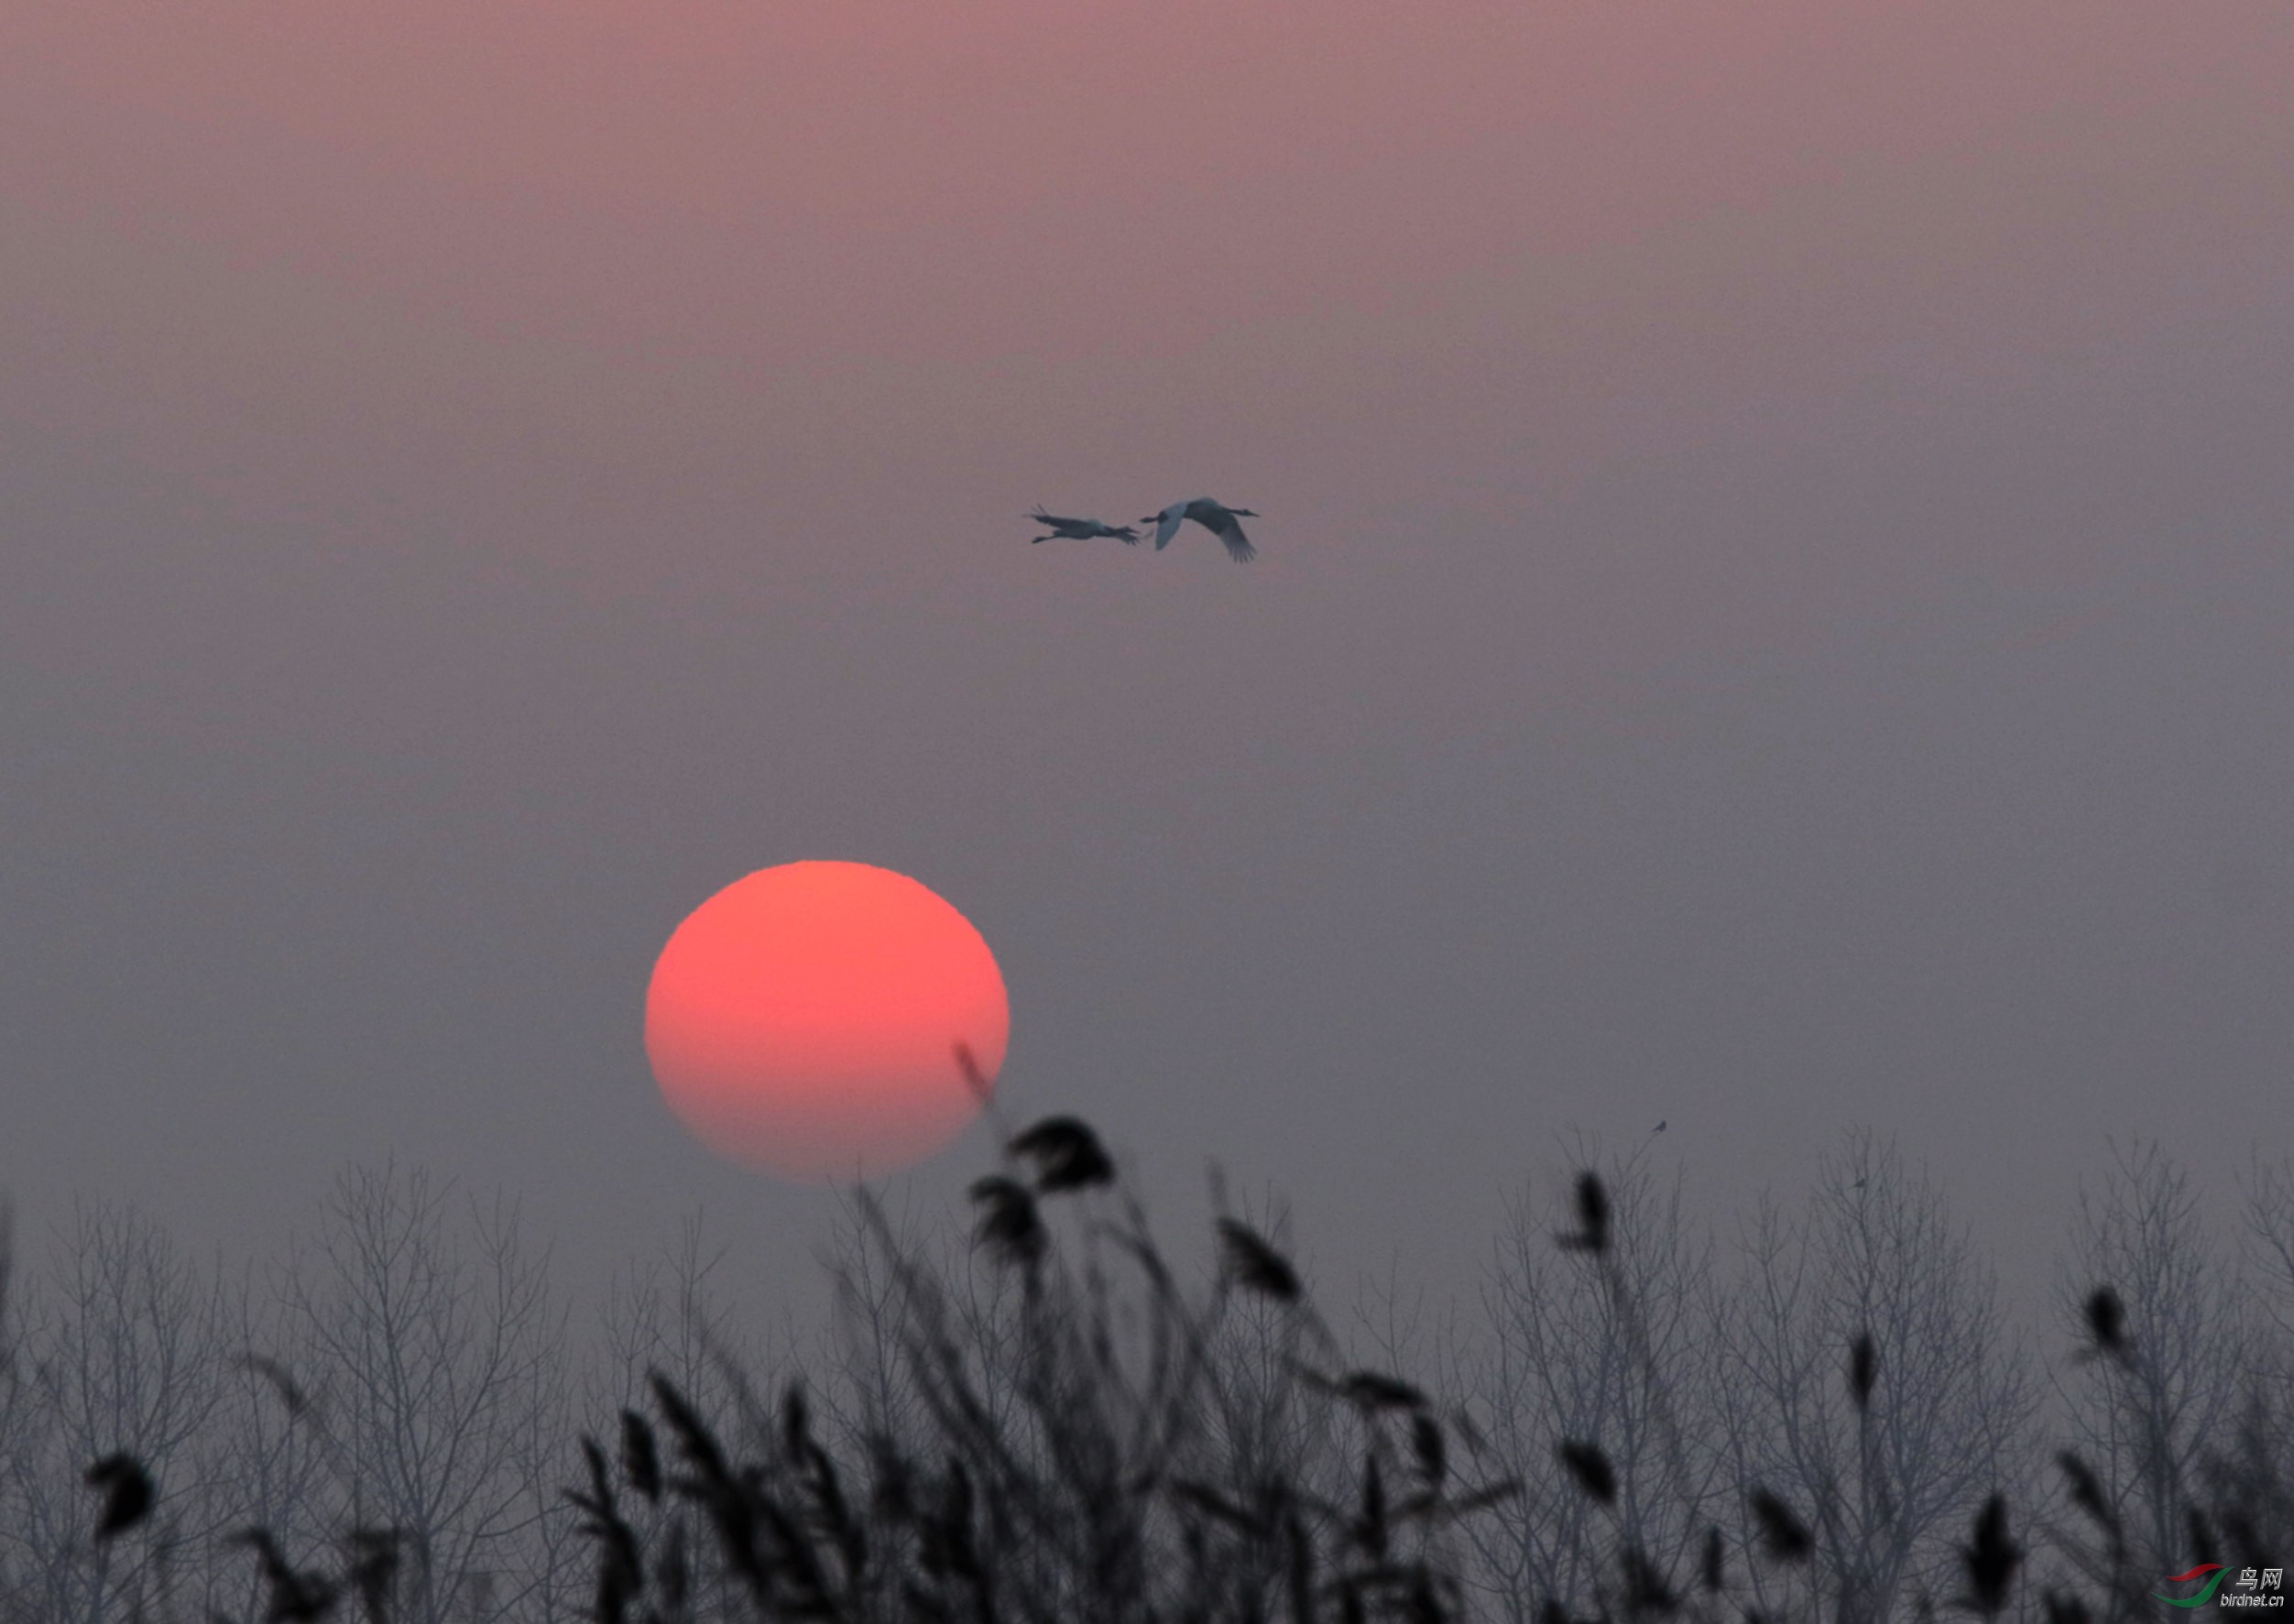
1772,611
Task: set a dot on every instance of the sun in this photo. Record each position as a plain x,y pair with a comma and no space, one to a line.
803,1021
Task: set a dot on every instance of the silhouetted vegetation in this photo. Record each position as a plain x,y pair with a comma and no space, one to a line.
1065,1423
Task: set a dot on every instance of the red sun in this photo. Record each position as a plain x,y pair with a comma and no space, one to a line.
803,1021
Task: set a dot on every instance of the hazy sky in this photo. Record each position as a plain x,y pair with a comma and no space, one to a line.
1773,608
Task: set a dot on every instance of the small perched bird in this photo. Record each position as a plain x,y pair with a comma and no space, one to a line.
1660,1126
127,1493
1215,516
1067,1155
1080,529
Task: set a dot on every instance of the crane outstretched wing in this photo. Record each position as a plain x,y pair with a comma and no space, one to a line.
1230,530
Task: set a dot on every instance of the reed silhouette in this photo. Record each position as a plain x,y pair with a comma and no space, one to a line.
1064,1420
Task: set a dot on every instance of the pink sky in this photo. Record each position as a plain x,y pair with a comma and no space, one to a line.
1371,258
929,180
1777,516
